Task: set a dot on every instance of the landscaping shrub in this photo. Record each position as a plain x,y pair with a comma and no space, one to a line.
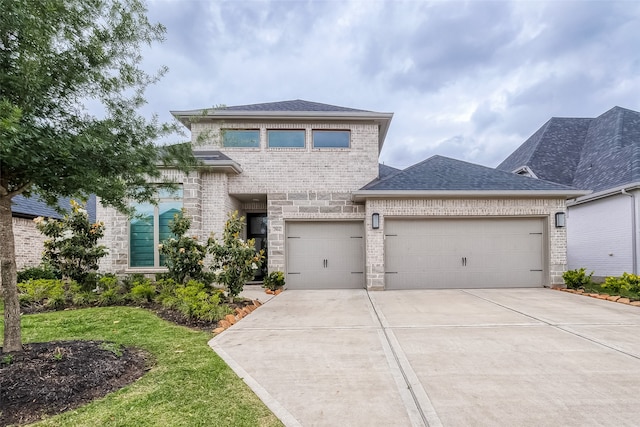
273,280
109,290
48,293
35,273
627,282
143,291
575,279
195,300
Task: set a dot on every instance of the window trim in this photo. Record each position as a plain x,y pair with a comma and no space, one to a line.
304,138
313,143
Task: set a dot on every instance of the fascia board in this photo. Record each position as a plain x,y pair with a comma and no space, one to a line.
361,195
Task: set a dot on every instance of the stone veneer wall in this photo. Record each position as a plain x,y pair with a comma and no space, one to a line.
29,243
306,205
556,237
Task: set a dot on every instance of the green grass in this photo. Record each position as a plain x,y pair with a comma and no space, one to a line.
189,385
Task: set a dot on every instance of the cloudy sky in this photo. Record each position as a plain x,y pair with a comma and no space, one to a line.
469,80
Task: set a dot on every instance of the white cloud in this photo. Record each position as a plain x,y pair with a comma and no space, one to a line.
470,80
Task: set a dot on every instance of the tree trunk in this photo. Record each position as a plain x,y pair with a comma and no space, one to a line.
8,276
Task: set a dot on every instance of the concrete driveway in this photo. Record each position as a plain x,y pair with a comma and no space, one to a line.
515,357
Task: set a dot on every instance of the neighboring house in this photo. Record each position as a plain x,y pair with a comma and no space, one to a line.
29,242
600,154
307,177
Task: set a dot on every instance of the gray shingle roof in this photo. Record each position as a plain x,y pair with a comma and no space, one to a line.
294,105
588,153
440,173
33,206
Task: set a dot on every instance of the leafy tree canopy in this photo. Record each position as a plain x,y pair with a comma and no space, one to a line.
57,57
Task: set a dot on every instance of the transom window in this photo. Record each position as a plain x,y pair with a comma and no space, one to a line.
150,226
331,138
245,138
285,138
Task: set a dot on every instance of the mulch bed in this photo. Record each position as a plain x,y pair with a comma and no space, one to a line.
53,377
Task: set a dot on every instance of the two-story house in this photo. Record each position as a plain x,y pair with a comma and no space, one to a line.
307,178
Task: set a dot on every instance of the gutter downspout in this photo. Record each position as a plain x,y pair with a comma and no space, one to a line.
634,248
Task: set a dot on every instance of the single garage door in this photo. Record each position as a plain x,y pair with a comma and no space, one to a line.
325,255
464,253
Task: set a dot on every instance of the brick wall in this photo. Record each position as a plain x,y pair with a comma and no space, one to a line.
546,208
281,170
29,243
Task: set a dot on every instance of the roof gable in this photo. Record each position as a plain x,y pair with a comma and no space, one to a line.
553,152
440,173
589,153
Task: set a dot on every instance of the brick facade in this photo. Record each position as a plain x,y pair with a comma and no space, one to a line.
296,184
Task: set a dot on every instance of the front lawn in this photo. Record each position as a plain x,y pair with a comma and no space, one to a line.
188,385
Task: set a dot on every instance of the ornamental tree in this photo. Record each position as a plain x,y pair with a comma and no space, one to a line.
184,255
235,261
72,246
56,58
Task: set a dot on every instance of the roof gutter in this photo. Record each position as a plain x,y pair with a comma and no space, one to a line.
602,194
362,195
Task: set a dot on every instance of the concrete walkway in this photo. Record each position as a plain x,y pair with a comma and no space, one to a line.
516,357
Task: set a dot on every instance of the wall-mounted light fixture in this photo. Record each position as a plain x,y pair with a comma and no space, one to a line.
375,221
561,220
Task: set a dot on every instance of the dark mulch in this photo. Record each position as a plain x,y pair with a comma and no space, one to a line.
49,378
53,377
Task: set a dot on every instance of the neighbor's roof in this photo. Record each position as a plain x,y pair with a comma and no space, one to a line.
444,176
591,153
287,110
32,207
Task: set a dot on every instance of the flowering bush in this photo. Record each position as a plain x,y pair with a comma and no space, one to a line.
234,261
184,255
72,247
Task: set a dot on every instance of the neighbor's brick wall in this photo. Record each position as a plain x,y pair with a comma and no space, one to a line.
283,170
557,237
307,205
29,243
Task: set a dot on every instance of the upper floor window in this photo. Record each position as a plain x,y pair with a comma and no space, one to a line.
241,138
285,138
150,226
331,138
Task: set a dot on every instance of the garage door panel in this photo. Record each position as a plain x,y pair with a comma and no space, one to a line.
464,253
325,255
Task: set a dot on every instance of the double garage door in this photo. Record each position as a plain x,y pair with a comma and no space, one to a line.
420,253
325,255
464,253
